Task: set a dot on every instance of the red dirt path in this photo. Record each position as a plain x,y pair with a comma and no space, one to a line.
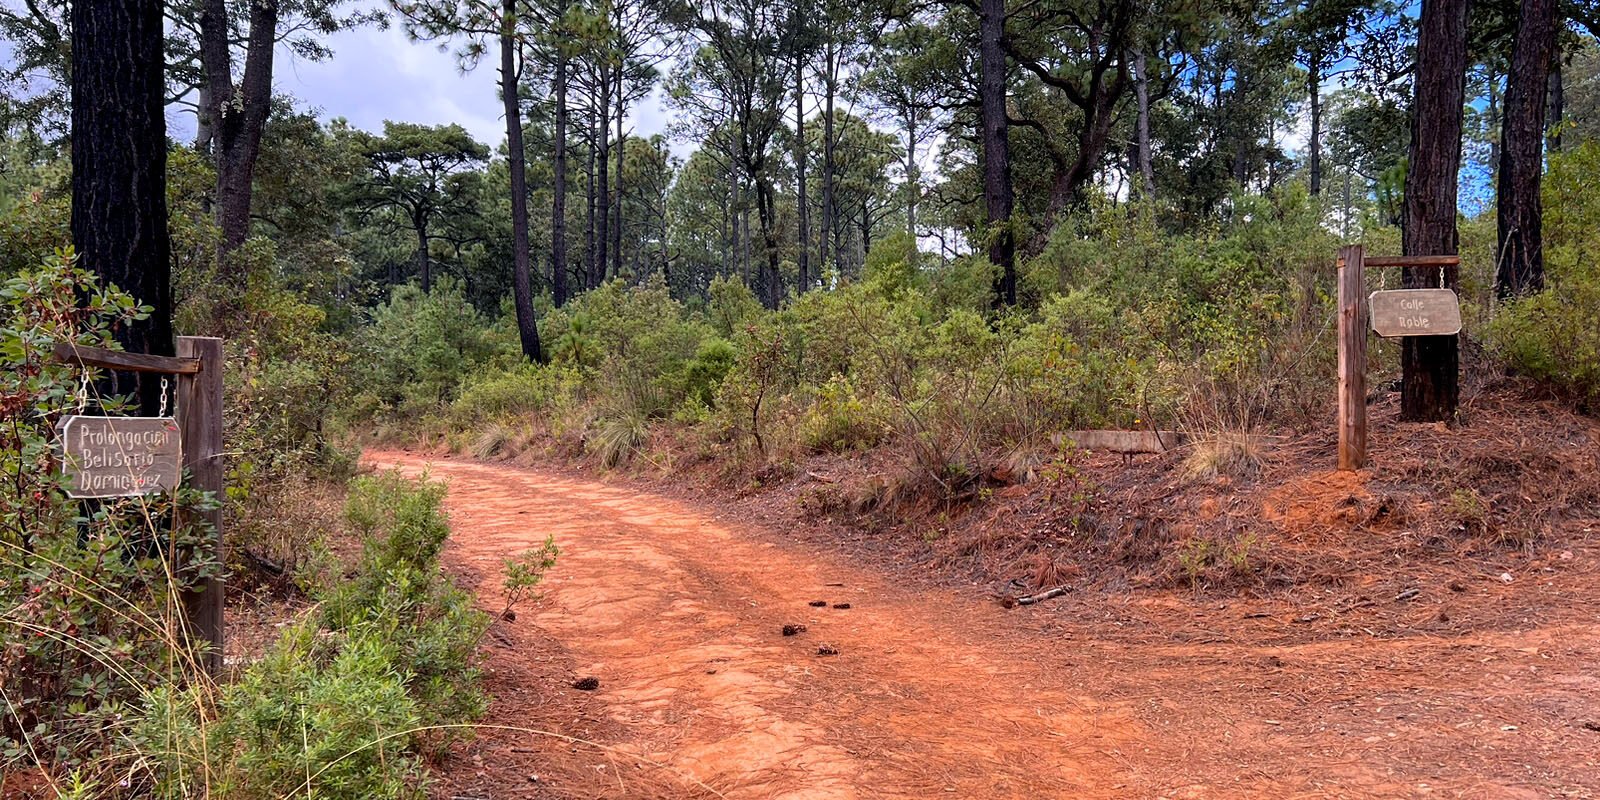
941,693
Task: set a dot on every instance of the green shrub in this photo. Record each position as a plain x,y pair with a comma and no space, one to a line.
518,392
87,593
1553,335
616,439
733,307
400,596
307,720
838,419
524,573
420,346
350,699
643,340
703,374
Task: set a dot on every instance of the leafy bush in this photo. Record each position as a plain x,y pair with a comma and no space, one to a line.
525,572
400,596
306,720
517,392
348,700
837,419
420,346
703,374
1553,335
88,592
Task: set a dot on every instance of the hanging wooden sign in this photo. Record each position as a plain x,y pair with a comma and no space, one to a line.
1415,312
120,456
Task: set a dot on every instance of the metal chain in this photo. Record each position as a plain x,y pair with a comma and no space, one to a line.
83,391
163,411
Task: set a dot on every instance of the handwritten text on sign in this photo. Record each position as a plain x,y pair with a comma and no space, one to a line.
1415,312
120,456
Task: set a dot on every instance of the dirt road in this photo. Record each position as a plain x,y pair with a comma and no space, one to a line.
941,693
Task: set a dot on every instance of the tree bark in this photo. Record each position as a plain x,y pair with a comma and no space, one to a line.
616,224
1520,214
237,117
765,208
1557,100
1314,91
997,190
802,207
830,212
1141,88
602,212
588,281
913,173
119,167
1431,364
516,160
424,260
558,202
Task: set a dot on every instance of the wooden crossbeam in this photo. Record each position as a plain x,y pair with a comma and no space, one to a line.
69,353
1412,261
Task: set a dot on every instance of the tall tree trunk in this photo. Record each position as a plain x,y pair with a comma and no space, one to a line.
866,229
1519,211
729,233
202,119
616,224
1141,89
558,202
1314,91
1494,118
602,212
765,208
516,160
589,198
419,224
830,212
913,173
237,117
1430,388
997,191
802,205
1557,100
119,166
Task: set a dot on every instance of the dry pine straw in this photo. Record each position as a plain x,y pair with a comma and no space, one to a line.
1516,477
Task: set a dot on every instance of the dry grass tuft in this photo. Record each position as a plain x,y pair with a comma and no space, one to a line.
491,441
1234,456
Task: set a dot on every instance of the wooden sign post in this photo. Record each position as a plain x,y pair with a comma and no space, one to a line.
1352,358
1398,313
198,436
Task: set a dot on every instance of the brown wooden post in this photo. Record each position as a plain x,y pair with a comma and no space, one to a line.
1352,358
200,423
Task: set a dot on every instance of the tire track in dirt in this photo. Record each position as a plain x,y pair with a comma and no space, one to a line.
680,617
932,694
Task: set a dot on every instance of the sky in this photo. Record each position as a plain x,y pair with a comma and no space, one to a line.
376,75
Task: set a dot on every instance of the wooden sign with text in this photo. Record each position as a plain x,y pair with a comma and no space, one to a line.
120,456
1415,312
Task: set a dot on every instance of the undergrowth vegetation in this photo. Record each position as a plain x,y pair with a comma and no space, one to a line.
104,690
355,696
1230,336
1223,332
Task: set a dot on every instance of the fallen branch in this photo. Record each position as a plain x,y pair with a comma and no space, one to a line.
1028,600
